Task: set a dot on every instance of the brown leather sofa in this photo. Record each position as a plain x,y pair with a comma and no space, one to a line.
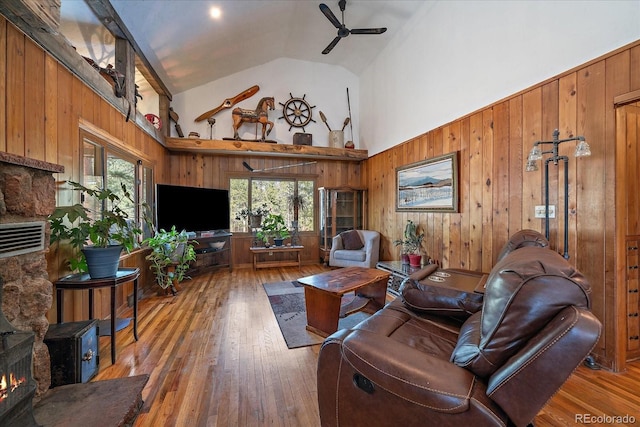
403,367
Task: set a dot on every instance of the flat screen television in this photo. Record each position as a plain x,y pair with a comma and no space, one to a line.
191,208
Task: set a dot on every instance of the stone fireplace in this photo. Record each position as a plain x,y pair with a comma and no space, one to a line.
27,195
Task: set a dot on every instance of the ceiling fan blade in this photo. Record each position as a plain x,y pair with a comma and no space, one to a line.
368,31
331,45
330,16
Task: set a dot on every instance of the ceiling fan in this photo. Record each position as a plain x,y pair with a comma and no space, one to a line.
343,31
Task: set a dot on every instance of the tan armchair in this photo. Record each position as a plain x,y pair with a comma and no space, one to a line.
367,256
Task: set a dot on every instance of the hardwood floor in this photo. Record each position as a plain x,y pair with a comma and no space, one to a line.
215,357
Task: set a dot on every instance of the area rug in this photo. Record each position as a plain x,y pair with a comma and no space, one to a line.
287,303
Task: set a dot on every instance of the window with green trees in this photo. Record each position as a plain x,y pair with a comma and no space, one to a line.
278,195
105,166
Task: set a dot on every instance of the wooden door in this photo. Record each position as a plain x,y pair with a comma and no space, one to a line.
628,229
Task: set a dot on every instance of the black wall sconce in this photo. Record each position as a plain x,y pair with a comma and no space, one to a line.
582,150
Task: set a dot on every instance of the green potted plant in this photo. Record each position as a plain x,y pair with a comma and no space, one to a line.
411,244
170,256
273,226
404,251
253,216
96,237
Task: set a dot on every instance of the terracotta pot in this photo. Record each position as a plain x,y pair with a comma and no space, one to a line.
414,260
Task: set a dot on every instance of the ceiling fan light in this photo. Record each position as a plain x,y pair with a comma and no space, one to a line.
343,31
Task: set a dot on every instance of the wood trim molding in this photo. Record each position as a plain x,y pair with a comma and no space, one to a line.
625,98
92,129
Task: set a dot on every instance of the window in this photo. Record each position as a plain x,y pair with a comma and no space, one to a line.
105,166
277,194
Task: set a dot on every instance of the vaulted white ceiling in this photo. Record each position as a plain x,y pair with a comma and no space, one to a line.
187,47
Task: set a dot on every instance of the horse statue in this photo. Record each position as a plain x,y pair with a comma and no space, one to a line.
259,115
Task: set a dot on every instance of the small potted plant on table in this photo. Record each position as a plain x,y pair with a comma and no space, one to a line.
97,238
411,244
273,226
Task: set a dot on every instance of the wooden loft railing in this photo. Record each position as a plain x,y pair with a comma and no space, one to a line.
228,147
44,32
55,44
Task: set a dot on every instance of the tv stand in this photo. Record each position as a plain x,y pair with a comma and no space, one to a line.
208,257
211,233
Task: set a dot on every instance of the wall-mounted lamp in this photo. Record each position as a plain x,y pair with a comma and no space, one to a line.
582,150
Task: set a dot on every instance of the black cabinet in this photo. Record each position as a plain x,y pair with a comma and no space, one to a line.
73,349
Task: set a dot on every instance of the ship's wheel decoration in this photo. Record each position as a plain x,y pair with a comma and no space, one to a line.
297,112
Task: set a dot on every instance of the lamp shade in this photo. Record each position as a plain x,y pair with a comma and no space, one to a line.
532,165
582,149
536,153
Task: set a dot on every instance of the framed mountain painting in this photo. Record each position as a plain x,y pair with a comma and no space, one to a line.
428,186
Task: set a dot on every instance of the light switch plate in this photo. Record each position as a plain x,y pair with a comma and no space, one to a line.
539,211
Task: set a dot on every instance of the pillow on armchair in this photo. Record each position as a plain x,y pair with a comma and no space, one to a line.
351,240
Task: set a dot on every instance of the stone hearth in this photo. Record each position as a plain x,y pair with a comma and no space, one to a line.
113,402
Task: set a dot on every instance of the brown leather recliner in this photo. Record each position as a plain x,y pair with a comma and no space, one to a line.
499,368
458,296
523,239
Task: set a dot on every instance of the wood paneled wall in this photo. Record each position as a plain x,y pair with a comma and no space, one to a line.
213,171
41,107
497,197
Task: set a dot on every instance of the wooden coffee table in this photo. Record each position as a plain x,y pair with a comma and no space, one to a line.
323,296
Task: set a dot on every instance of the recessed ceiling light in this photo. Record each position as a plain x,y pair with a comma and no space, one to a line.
215,12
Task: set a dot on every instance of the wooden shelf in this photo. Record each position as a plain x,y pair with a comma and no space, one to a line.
276,263
240,148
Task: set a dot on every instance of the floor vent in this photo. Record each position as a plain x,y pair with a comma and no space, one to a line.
21,238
